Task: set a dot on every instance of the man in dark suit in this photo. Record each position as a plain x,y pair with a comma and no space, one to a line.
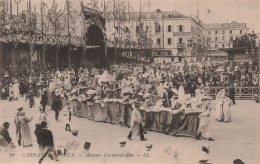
232,94
44,137
57,106
44,100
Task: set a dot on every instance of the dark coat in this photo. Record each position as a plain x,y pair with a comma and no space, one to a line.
56,105
4,132
44,138
44,99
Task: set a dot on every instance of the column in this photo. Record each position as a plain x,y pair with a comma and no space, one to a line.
44,46
1,49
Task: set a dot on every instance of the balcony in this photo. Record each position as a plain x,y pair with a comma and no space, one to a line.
181,45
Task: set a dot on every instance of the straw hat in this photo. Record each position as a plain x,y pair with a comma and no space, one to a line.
122,141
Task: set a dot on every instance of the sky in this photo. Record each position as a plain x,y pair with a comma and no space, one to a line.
210,11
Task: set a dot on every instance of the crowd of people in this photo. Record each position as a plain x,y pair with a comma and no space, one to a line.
190,75
181,87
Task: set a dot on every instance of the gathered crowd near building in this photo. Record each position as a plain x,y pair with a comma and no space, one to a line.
149,71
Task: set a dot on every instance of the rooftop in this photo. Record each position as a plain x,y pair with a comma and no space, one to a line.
232,25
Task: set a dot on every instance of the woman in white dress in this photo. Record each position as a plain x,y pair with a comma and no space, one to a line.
16,90
226,109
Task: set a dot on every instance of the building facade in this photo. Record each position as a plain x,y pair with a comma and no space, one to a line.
170,34
219,34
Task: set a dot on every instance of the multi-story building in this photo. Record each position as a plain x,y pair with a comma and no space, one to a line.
219,34
171,33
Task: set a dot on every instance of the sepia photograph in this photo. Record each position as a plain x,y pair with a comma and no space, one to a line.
129,81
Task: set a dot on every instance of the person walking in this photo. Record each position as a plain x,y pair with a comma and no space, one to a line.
26,138
56,106
18,125
137,127
30,96
67,113
44,137
11,92
232,94
44,100
16,89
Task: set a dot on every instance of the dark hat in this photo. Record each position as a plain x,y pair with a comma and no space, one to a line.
5,124
75,132
205,149
43,124
238,161
149,146
87,145
20,109
122,141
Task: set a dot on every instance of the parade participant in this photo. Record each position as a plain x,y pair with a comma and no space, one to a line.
4,132
16,89
26,138
30,96
11,92
219,106
44,137
44,100
23,87
136,123
227,110
167,95
67,83
57,106
203,131
18,125
232,94
181,94
67,113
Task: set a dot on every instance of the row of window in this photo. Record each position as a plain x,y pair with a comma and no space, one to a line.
217,38
158,28
180,41
223,32
219,45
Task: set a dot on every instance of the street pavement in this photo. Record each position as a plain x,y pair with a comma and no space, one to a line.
238,139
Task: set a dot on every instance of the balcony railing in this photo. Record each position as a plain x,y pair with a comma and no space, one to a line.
181,45
241,93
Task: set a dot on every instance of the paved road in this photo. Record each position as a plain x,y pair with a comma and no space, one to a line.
237,139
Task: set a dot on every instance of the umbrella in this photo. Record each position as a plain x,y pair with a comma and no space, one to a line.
91,92
207,98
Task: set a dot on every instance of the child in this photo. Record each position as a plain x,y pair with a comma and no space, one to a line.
31,98
67,113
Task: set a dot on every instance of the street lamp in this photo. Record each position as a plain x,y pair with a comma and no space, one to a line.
17,2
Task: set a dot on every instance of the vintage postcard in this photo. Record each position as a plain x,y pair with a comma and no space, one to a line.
130,81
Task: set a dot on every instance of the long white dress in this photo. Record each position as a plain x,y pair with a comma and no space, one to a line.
16,90
227,109
219,109
181,94
204,122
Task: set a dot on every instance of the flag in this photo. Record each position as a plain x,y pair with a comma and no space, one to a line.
34,57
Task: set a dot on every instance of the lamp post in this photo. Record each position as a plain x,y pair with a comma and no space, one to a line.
17,3
17,17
